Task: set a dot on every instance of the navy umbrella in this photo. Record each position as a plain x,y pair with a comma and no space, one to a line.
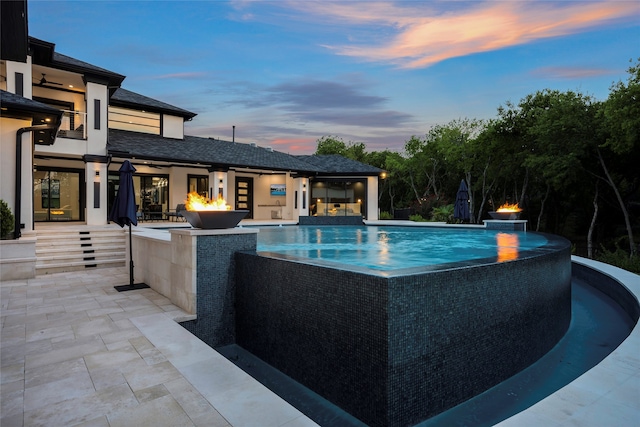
461,207
123,212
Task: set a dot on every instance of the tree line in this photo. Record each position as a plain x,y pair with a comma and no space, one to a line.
572,163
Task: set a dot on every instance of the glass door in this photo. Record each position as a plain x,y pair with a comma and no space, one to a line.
58,195
153,191
244,195
199,184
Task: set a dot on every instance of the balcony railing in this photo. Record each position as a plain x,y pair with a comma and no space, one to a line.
74,125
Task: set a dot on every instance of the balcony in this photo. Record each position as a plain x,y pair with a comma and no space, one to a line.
74,125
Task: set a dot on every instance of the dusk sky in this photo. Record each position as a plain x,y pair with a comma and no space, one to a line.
286,73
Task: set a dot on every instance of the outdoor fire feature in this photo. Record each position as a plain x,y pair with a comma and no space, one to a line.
507,212
207,214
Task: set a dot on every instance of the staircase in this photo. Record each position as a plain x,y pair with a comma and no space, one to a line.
78,248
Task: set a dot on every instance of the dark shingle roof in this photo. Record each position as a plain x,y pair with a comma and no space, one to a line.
81,65
336,164
225,154
17,103
213,152
43,53
126,98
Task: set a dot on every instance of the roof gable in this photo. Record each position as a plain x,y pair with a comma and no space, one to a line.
126,98
43,53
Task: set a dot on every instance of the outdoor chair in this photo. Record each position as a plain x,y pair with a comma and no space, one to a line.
175,215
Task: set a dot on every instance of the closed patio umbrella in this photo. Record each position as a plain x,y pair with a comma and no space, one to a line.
123,212
461,207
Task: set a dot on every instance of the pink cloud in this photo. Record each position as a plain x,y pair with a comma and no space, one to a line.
424,37
294,145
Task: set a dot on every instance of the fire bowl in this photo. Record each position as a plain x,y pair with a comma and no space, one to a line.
214,219
504,215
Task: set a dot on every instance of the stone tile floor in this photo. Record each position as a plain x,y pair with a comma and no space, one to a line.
74,351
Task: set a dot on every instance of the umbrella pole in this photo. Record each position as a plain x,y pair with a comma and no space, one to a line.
131,286
130,258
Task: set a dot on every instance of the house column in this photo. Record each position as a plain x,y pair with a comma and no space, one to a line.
372,198
218,185
96,189
25,220
301,193
96,124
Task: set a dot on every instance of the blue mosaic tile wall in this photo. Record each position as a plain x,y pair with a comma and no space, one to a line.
393,351
325,328
215,304
610,287
330,220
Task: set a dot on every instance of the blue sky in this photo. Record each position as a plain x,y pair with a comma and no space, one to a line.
286,73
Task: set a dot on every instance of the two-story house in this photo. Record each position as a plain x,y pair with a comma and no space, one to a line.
67,126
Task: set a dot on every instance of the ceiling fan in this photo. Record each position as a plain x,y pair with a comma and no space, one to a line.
44,81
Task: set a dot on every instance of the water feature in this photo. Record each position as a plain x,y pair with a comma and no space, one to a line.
379,322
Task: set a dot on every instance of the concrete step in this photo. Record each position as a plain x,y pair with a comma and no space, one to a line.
56,249
77,266
87,256
78,248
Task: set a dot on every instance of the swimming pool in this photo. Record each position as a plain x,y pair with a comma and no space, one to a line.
394,248
360,317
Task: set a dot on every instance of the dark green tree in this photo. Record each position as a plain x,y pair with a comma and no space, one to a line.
331,145
621,121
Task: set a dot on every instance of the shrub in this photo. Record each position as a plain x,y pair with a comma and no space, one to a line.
621,259
442,213
417,218
6,220
385,215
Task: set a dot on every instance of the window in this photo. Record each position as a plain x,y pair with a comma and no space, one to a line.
335,197
57,195
152,194
134,120
199,184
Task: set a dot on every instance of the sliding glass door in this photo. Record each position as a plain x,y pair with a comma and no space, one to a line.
58,195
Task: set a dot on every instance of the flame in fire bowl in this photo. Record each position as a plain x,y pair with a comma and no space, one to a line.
210,220
210,214
506,211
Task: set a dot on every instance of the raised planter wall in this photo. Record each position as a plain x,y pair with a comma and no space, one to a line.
18,259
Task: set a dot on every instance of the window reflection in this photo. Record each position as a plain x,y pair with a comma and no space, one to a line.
508,245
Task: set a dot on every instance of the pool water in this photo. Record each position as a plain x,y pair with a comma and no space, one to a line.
395,247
